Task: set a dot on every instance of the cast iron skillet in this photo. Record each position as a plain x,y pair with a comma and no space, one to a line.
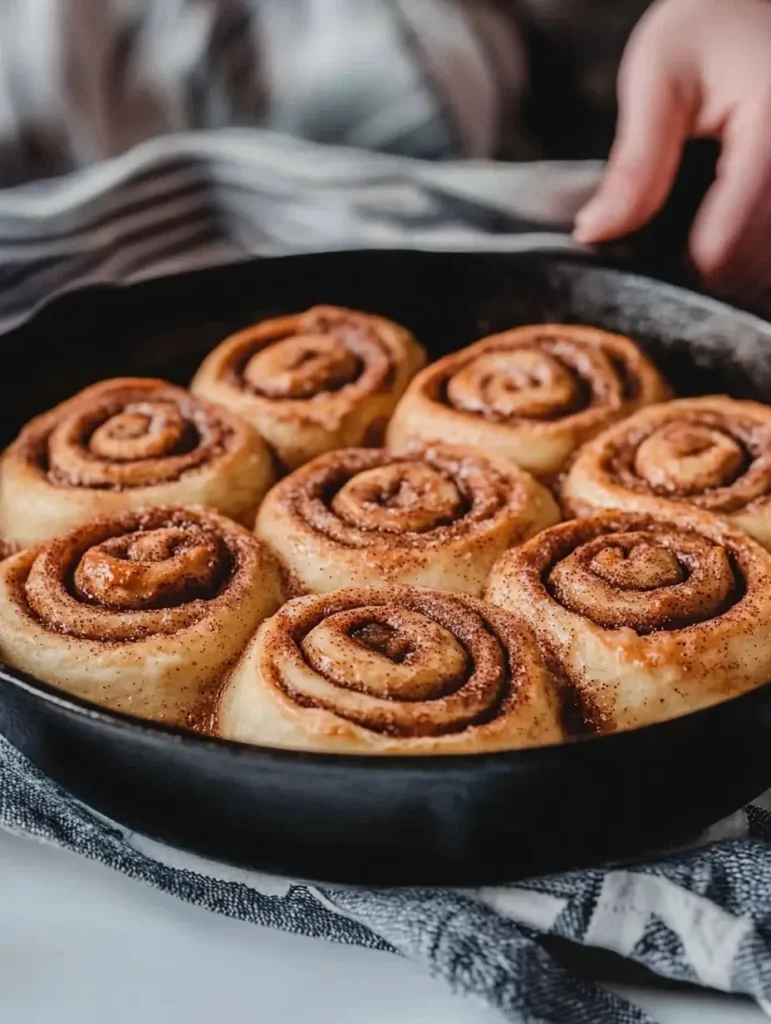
463,820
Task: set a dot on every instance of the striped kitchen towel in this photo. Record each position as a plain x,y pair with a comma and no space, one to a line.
197,199
702,916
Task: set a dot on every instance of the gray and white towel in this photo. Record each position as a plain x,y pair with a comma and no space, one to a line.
702,915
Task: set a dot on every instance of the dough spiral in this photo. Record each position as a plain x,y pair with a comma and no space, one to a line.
712,452
141,611
314,381
127,443
532,394
391,670
649,617
435,516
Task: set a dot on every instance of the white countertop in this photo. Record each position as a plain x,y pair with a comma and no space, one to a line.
81,944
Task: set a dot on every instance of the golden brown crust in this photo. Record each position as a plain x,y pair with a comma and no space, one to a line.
126,443
314,381
649,617
435,516
391,670
142,611
712,452
532,394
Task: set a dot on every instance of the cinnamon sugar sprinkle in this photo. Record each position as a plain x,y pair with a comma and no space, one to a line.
124,577
124,434
301,357
457,659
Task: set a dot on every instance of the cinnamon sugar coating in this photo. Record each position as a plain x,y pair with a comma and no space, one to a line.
126,443
142,611
711,452
391,670
648,617
532,394
434,515
314,381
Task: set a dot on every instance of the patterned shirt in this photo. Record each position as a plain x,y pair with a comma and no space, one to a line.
82,80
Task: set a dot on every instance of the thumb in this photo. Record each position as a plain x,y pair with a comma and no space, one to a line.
655,117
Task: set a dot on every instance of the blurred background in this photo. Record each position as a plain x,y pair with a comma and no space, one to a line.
504,79
82,81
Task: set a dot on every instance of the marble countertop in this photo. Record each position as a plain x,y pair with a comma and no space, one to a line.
80,944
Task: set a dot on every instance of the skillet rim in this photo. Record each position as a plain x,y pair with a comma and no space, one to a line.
110,719
580,260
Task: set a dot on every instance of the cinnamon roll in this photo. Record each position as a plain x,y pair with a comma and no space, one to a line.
391,670
126,443
327,378
648,617
436,517
142,611
532,394
712,452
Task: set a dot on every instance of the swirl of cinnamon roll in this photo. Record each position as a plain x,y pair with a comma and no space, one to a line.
712,452
323,379
649,617
532,394
434,516
126,443
391,670
142,611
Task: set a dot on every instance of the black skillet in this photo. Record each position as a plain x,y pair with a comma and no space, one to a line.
464,820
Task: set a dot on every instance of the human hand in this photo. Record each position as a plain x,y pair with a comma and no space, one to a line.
696,69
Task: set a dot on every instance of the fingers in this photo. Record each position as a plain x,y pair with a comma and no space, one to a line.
656,112
731,239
